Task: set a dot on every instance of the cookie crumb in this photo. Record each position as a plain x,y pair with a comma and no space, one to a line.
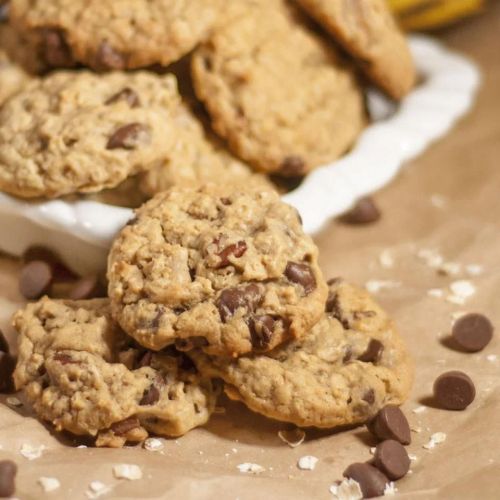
474,269
49,484
461,290
348,489
249,468
13,401
492,358
292,438
375,286
436,438
390,489
153,444
435,292
438,201
32,452
419,409
131,472
412,457
97,489
307,462
430,257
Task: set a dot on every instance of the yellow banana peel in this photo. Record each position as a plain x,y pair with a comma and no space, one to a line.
430,14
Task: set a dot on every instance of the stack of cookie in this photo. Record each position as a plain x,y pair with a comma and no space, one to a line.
210,287
280,94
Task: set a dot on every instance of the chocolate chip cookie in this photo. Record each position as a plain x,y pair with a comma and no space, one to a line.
84,375
111,35
228,270
81,132
197,158
351,364
369,32
276,91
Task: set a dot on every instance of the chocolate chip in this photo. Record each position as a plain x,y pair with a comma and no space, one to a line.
85,288
150,396
373,352
109,58
235,250
4,13
8,471
301,274
261,330
55,50
123,426
145,359
35,279
364,212
186,363
64,359
7,367
231,299
371,481
190,343
391,423
129,137
128,95
472,332
4,345
369,396
59,270
454,390
292,166
226,201
391,458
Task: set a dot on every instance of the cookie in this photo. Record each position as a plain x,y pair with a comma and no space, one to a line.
228,270
278,93
81,132
197,158
368,31
113,35
351,364
84,375
12,77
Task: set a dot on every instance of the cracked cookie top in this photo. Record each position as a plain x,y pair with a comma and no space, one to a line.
84,375
276,91
350,365
231,271
81,132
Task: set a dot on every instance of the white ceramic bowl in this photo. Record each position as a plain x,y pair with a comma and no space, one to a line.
82,231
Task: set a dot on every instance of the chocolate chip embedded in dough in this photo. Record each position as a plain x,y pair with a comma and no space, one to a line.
129,137
109,58
301,274
262,329
373,352
123,426
454,390
231,299
150,396
54,49
292,166
128,95
235,250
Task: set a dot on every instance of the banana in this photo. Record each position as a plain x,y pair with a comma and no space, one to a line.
430,14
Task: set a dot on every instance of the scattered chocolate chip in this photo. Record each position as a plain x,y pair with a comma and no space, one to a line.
369,396
292,166
301,274
8,471
64,359
4,345
108,58
129,136
454,390
391,423
231,299
85,288
472,332
373,352
35,279
371,481
145,359
7,367
128,95
392,459
236,250
55,50
123,426
261,330
150,396
364,212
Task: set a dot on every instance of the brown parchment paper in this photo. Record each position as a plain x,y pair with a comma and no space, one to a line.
464,171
